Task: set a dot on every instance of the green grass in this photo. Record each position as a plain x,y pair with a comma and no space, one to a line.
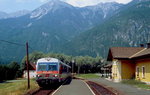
87,76
136,83
16,88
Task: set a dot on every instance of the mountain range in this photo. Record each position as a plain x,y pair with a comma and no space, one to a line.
62,28
4,15
129,27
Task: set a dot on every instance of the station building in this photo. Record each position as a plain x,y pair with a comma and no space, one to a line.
130,63
32,71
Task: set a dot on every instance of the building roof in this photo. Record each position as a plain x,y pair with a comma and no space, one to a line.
145,52
32,66
123,52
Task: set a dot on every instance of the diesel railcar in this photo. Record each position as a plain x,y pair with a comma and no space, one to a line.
51,71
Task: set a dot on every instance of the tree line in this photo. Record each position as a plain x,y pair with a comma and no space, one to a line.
79,64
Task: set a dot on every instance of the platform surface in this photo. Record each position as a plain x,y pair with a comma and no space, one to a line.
76,87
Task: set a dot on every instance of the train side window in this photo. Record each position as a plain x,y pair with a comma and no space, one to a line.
61,69
67,69
64,69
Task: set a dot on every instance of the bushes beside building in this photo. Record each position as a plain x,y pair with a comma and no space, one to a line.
9,71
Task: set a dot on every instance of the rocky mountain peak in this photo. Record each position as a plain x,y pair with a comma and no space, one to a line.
106,7
50,6
56,4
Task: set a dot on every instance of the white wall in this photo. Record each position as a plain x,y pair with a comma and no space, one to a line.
31,73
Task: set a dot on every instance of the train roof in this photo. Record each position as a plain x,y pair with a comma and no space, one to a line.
48,60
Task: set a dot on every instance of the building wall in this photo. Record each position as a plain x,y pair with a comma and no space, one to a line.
32,73
127,69
116,71
146,64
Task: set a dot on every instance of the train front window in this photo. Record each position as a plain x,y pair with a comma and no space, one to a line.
52,67
42,67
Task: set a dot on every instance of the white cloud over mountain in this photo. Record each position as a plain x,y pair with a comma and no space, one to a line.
81,3
16,5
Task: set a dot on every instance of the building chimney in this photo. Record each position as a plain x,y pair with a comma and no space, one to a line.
141,45
148,45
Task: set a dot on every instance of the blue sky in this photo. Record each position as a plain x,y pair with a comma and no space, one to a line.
16,5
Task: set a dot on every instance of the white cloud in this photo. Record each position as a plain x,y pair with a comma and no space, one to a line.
79,3
123,1
82,3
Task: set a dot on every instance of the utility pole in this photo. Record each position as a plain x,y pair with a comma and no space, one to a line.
27,64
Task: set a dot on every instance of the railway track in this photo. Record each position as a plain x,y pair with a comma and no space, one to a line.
48,90
43,91
99,89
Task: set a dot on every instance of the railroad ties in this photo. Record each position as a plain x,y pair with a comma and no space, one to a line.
99,89
43,91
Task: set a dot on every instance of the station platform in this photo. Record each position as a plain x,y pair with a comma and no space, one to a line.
76,87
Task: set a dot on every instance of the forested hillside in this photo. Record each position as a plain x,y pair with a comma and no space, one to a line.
129,27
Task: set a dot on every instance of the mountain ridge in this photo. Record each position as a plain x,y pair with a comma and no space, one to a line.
48,32
129,27
4,15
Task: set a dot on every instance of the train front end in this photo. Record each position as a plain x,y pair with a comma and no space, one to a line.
47,72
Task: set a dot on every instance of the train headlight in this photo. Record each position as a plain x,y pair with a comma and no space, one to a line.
39,75
55,75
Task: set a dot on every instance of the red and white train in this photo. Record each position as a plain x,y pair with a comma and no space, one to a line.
51,71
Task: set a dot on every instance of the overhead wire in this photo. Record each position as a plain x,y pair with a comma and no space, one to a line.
14,43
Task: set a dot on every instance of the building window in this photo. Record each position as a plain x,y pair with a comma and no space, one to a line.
143,72
137,70
115,73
